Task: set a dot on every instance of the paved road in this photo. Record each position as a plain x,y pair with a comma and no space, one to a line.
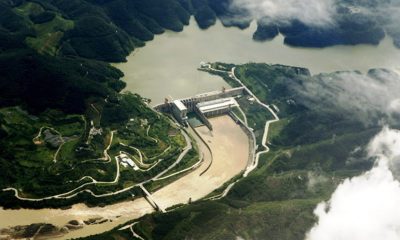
74,192
66,194
181,156
250,167
267,124
188,147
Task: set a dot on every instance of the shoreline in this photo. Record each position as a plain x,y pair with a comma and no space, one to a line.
129,210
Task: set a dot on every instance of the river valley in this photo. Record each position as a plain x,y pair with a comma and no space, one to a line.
167,66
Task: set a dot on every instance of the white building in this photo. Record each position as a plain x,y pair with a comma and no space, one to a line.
126,161
180,111
217,107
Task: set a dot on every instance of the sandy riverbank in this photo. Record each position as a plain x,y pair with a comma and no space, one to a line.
230,148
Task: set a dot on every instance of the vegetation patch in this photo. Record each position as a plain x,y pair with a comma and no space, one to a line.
57,155
311,152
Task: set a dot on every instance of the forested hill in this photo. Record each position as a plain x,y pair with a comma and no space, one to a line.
109,30
57,36
52,52
98,29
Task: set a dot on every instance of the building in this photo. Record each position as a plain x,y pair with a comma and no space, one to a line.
216,107
126,161
203,105
179,111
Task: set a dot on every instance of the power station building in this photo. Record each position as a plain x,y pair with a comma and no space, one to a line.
179,110
216,107
204,105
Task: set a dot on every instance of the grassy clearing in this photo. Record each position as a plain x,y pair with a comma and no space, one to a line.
276,128
48,33
29,8
190,159
256,116
238,113
260,90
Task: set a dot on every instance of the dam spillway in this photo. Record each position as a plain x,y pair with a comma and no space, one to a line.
205,105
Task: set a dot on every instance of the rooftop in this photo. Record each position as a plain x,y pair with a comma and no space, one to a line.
216,104
180,105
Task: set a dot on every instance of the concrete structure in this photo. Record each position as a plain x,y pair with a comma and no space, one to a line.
190,102
179,110
217,107
203,118
151,200
126,161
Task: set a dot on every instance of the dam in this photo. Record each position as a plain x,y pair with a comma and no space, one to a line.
204,105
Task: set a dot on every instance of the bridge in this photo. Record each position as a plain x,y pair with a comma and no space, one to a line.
151,200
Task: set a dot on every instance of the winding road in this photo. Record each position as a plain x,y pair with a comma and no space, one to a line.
253,165
74,192
192,186
267,124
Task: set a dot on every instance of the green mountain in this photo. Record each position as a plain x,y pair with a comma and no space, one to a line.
57,43
312,151
55,76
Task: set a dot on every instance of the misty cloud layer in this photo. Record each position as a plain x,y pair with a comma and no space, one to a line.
310,12
365,207
323,13
366,98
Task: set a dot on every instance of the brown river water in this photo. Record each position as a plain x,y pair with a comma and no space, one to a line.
167,66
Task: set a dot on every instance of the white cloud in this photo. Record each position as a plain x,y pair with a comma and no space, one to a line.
367,99
365,207
394,106
310,12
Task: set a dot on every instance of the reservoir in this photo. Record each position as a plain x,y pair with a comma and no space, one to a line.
167,66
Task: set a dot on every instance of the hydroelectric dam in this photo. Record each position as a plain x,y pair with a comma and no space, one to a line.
204,105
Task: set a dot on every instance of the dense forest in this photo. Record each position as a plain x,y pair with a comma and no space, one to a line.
58,41
55,54
51,51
